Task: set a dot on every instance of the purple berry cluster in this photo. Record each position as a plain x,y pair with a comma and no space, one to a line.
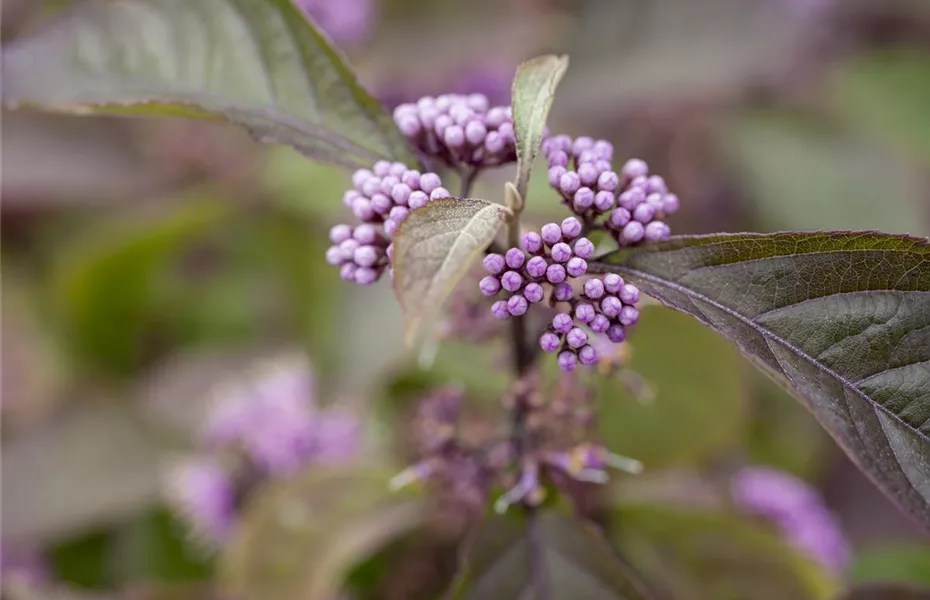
631,204
459,130
381,199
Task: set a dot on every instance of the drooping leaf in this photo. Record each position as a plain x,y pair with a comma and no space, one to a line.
434,248
843,318
257,63
886,591
690,554
299,538
533,90
548,555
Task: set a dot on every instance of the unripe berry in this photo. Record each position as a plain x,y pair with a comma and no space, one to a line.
388,183
533,292
366,256
399,213
517,305
536,267
417,200
628,315
583,200
438,193
569,183
594,289
619,217
632,232
347,272
584,312
454,136
599,324
657,231
361,208
349,197
494,264
411,178
567,361
494,143
365,276
557,159
584,248
371,187
604,149
555,175
511,281
361,176
429,182
611,306
587,355
644,213
563,292
576,267
334,256
561,252
475,132
489,286
634,168
581,144
576,337
629,293
549,342
348,248
588,174
670,203
398,169
616,333
656,184
514,258
613,283
571,228
499,310
603,201
400,193
381,204
562,322
551,234
555,273
532,242
656,201
631,198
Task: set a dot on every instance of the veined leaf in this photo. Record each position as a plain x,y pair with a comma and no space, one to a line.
257,63
842,317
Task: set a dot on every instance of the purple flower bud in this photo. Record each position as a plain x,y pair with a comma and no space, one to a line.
576,337
583,248
571,228
411,178
536,267
475,132
366,256
417,200
340,233
511,281
576,267
514,258
494,143
557,159
506,131
399,213
629,294
517,305
555,273
640,184
494,264
347,272
619,218
348,248
603,201
604,149
561,142
398,169
562,322
628,315
608,181
454,136
555,175
581,144
531,242
381,168
634,168
334,256
584,312
588,174
489,286
563,292
655,184
587,355
613,283
360,177
438,193
670,203
400,193
594,289
371,187
361,208
632,232
442,123
616,333
429,182
561,252
657,231
499,310
599,324
349,197
656,201
569,183
477,102
388,183
583,200
366,276
549,342
567,361
611,306
631,198
533,292
460,113
644,213
551,234
381,204
390,227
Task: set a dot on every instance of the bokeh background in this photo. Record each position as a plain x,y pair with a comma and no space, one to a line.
146,261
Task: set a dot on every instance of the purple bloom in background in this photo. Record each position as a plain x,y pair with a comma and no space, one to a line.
22,565
345,21
203,493
337,435
492,80
796,509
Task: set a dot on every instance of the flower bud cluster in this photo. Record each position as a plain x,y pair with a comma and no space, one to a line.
461,131
381,199
631,204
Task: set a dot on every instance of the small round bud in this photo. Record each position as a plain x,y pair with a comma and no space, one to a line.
587,355
454,136
555,273
340,233
349,197
576,337
514,258
555,175
551,234
399,213
634,168
632,232
400,193
613,283
657,231
411,178
629,294
442,123
381,168
361,208
557,159
670,203
631,198
562,142
583,248
603,201
571,228
417,200
365,234
511,281
398,169
569,183
531,242
499,310
533,292
608,181
644,213
334,256
475,132
536,267
599,324
581,144
494,143
347,272
628,315
366,256
656,201
429,182
390,227
611,306
549,342
563,292
409,125
381,204
494,264
588,174
361,176
366,276
656,184
517,305
567,361
388,183
584,312
576,267
583,200
561,252
604,149
619,217
348,248
460,113
616,333
438,193
562,322
489,286
594,289
477,102
506,131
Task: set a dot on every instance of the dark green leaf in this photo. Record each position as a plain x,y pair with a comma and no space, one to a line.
256,63
690,554
843,318
548,555
886,591
893,563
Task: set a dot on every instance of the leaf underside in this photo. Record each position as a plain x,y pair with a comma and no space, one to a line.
842,318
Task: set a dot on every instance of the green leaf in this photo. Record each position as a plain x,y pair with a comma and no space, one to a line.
434,248
698,406
697,555
842,318
548,555
533,90
256,63
893,563
886,591
299,538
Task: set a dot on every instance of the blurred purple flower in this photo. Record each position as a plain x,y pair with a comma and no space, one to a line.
796,509
203,493
345,21
22,564
492,80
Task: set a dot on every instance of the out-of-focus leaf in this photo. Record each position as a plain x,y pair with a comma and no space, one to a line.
434,248
82,561
103,286
308,189
511,557
698,407
909,563
887,93
533,91
689,554
95,465
799,176
155,550
299,538
885,591
842,318
257,63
